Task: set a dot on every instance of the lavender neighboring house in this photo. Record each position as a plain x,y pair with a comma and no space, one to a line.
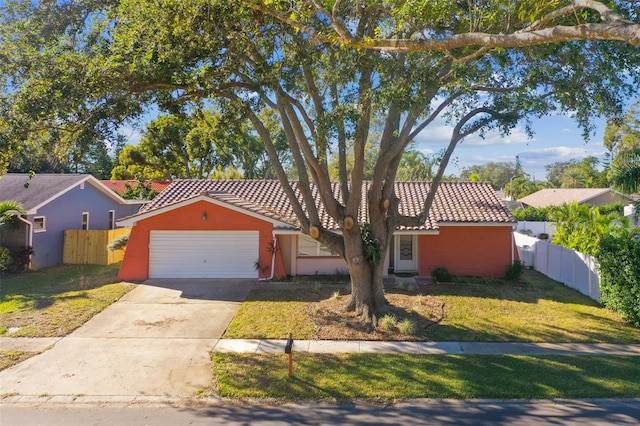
55,203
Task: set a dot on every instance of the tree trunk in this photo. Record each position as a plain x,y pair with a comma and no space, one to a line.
367,295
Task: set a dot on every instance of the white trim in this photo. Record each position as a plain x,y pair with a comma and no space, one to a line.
44,224
96,184
82,226
287,232
112,219
29,241
415,257
416,232
132,220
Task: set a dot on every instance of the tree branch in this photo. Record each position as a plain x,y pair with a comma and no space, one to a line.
459,133
615,27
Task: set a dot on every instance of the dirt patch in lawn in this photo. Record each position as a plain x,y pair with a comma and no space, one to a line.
333,322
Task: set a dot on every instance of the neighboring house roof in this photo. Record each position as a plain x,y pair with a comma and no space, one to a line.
559,196
35,191
120,186
455,202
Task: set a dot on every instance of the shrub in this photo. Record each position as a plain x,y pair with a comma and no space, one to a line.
619,264
514,271
441,275
21,258
118,243
6,261
581,227
531,214
408,326
388,322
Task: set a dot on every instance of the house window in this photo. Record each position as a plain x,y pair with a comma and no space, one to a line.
85,220
39,224
307,246
112,219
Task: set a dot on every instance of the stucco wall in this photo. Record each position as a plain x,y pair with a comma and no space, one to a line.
135,266
467,250
65,212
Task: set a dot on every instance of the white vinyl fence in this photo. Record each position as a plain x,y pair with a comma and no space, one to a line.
569,267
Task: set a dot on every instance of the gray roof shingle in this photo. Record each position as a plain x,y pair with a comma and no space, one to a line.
40,188
457,202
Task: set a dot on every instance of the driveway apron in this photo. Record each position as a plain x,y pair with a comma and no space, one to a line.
155,341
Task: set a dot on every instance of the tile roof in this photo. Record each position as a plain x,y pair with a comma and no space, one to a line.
119,186
559,196
40,188
457,202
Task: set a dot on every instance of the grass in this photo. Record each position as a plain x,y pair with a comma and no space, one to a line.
383,376
9,358
269,314
55,301
536,310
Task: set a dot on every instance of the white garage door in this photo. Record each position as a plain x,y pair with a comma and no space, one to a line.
203,254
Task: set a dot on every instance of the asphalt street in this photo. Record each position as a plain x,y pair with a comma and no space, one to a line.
423,412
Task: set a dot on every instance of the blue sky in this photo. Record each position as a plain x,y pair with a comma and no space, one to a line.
556,138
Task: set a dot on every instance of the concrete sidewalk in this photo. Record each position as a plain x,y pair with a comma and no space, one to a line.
426,348
342,346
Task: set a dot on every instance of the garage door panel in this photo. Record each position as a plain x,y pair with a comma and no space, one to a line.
203,254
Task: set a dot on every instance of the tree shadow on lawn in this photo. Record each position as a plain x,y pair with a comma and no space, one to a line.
618,333
42,302
532,289
350,376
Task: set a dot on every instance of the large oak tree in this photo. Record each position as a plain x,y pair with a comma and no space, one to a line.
328,70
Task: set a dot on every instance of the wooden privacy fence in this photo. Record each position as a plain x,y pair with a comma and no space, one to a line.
89,247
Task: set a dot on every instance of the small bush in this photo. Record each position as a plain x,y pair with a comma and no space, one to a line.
118,243
514,271
419,299
388,322
441,275
6,261
408,326
20,259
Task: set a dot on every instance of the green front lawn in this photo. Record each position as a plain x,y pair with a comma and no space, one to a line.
536,310
55,301
383,376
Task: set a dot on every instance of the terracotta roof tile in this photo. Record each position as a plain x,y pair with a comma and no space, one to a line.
120,186
460,202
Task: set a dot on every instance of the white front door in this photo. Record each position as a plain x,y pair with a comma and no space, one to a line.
406,253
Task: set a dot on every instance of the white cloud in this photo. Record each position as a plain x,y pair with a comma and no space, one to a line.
440,134
133,135
517,136
560,153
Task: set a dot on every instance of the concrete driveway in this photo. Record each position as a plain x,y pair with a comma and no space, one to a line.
155,341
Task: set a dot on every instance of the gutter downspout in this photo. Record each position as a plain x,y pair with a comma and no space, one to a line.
513,243
273,260
30,235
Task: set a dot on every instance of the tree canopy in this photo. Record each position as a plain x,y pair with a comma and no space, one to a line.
75,71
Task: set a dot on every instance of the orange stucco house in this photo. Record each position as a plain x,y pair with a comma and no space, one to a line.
247,229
